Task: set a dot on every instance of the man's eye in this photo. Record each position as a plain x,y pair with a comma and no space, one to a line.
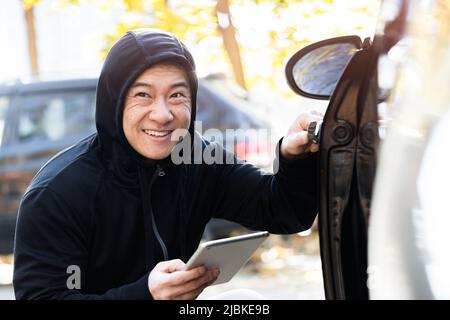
142,95
178,95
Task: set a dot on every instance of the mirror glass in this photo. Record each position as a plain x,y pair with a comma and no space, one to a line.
318,71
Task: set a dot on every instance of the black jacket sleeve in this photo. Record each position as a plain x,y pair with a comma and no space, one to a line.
283,202
50,237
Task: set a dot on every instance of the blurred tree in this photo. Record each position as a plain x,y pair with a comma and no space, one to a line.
31,34
193,21
259,35
290,24
226,28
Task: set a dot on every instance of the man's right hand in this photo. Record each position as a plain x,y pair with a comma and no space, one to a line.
168,281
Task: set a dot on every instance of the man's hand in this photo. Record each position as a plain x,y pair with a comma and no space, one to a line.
167,281
296,143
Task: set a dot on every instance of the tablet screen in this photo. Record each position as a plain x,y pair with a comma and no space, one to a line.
228,254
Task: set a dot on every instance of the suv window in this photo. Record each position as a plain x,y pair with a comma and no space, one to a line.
53,116
4,103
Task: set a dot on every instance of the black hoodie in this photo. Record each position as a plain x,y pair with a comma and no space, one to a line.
101,208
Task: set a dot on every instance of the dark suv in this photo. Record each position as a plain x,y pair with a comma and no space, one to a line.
39,119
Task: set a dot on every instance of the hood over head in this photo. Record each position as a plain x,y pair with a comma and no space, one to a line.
129,57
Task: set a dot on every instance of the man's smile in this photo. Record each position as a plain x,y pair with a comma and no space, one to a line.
157,135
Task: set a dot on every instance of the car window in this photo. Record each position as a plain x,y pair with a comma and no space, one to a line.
55,116
4,103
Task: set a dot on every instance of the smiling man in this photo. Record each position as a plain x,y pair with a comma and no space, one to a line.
113,217
163,88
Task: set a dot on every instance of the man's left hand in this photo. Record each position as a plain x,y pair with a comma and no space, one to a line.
296,143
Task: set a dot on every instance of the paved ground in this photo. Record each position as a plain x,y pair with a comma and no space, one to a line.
6,293
285,268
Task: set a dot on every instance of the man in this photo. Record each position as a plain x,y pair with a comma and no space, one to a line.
113,217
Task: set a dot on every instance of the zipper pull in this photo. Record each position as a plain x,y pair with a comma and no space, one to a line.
160,170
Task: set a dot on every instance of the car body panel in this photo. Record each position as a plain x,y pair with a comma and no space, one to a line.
349,138
408,234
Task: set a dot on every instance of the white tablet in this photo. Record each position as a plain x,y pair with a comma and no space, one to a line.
228,254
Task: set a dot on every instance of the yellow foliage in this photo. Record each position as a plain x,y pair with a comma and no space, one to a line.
133,5
28,4
292,24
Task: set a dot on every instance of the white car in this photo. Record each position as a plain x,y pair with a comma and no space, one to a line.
384,162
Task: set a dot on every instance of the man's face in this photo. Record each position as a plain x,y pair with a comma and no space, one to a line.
157,103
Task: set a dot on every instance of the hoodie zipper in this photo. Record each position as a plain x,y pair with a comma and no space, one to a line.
159,172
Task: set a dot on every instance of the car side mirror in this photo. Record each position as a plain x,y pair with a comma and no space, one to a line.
315,70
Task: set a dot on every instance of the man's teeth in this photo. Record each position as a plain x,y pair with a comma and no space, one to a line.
157,133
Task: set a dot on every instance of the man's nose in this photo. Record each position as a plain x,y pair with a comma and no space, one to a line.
160,112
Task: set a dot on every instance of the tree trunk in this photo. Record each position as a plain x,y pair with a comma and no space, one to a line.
229,40
32,47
